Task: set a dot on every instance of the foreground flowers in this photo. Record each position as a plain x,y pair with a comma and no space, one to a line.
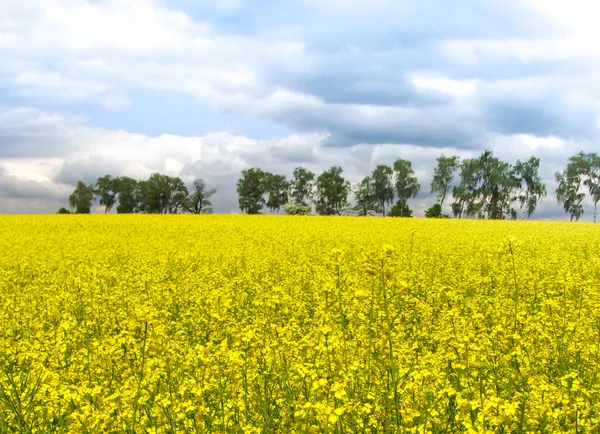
276,324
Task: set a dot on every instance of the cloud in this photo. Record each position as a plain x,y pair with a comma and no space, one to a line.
90,152
313,77
344,82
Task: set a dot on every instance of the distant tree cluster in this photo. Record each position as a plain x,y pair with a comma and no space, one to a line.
486,188
159,194
329,192
493,189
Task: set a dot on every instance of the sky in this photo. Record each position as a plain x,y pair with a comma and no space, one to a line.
205,89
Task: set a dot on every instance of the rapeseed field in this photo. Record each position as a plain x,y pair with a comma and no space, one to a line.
272,324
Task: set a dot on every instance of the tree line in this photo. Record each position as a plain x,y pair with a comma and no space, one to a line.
487,188
481,187
159,194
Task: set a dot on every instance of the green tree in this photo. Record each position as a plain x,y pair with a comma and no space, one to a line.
586,168
497,184
531,186
302,186
407,186
276,187
435,212
295,208
127,193
383,186
400,209
81,199
465,192
178,195
332,192
488,188
106,191
251,191
569,193
198,202
63,210
443,176
161,194
364,194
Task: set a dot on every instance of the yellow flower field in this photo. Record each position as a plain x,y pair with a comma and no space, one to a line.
272,324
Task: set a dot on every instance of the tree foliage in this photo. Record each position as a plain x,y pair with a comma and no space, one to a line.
295,208
401,209
106,190
331,192
443,176
276,188
302,186
582,171
127,194
531,187
251,191
491,188
435,212
364,196
569,193
383,186
407,186
198,202
81,199
161,194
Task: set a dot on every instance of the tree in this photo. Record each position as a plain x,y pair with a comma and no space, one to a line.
407,186
465,192
494,196
161,194
443,176
584,169
592,179
568,192
488,188
178,194
295,208
276,187
81,199
531,187
127,193
383,186
251,191
435,212
302,186
63,210
198,202
332,192
400,209
106,191
364,193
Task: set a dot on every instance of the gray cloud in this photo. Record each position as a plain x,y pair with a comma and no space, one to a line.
359,83
14,188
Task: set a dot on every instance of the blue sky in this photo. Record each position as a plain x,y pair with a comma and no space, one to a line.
199,88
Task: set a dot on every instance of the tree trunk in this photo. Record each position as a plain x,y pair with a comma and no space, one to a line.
595,210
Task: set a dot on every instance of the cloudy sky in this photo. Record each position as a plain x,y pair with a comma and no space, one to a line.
206,88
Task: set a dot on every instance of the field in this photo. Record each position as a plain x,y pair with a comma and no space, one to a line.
268,324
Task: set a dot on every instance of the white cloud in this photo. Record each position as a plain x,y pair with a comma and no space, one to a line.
535,142
446,85
90,152
433,83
